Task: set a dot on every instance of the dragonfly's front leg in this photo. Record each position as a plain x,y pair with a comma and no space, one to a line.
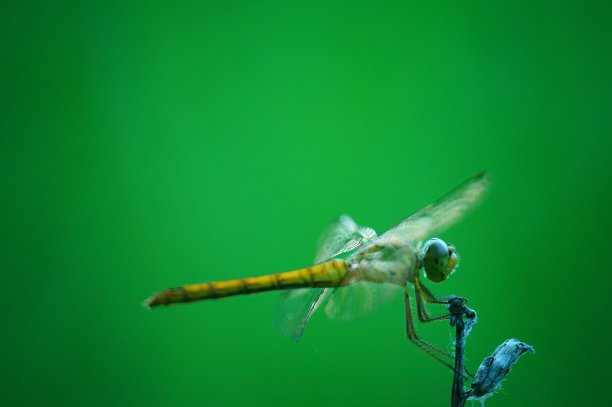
429,296
423,293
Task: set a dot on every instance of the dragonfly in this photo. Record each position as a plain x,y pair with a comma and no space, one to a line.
356,270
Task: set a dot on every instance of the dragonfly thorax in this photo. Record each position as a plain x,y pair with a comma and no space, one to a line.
386,261
438,259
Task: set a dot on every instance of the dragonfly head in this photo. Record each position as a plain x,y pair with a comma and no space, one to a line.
439,260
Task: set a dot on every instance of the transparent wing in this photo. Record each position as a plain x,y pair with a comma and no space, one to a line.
342,236
298,306
359,299
442,214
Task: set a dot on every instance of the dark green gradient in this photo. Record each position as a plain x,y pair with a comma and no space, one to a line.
147,145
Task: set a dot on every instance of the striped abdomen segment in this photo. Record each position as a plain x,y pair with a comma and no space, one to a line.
328,274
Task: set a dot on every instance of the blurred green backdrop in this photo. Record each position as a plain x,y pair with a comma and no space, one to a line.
149,144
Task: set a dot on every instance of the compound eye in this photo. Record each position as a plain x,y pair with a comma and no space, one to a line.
437,248
436,259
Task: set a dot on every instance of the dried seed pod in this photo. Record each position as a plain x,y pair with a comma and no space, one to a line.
496,367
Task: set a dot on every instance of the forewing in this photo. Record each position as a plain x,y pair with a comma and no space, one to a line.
438,216
298,306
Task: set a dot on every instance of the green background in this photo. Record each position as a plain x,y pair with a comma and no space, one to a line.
147,145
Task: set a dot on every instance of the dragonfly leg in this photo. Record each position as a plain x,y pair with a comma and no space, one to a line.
429,296
421,344
414,338
421,292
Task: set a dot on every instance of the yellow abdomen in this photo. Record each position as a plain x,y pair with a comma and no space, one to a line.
328,274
